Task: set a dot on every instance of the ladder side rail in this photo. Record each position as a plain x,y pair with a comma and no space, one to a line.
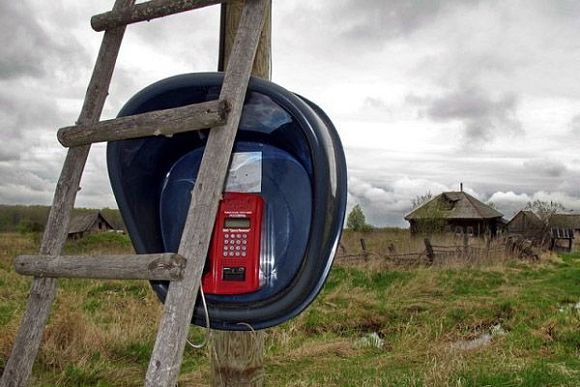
43,291
146,11
167,354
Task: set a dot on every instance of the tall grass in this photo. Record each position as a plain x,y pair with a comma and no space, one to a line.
391,248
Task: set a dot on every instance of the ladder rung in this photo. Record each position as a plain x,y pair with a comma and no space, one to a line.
164,266
146,11
161,122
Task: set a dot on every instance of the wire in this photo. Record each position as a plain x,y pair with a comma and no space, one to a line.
247,325
208,331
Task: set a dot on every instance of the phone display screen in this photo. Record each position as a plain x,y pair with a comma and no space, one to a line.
237,223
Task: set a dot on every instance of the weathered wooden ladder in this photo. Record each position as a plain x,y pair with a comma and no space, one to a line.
183,269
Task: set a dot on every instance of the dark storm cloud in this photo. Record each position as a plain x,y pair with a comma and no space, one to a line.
27,46
482,116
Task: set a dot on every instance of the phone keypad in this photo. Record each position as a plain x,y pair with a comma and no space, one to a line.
235,245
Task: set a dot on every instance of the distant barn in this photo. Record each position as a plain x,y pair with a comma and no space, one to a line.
455,212
565,226
566,221
526,224
82,225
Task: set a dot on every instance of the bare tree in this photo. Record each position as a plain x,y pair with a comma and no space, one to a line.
544,209
419,200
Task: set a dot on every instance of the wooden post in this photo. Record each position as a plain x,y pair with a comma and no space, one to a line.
363,245
167,354
429,250
237,358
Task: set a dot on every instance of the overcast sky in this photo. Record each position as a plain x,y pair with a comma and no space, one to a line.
425,94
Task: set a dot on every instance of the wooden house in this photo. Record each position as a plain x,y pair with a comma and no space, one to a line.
566,223
456,212
87,224
527,224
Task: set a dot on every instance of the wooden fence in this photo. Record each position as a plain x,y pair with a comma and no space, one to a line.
439,254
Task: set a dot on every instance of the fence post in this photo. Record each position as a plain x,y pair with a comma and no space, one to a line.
429,250
363,245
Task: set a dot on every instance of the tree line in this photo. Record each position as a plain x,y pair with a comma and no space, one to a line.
33,218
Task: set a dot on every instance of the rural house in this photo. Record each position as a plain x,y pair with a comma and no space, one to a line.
527,224
86,224
455,212
565,226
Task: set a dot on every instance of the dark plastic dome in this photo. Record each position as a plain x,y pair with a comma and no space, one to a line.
303,182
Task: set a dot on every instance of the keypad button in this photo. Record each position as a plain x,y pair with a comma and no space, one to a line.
245,242
237,253
243,253
244,248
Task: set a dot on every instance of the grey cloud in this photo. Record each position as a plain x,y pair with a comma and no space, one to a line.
375,104
9,153
25,120
385,204
511,202
28,46
481,115
575,124
377,20
545,167
200,28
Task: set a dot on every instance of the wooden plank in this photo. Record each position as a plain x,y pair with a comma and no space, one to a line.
146,11
168,351
165,122
237,358
19,364
162,267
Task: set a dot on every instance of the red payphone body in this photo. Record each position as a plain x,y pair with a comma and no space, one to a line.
234,258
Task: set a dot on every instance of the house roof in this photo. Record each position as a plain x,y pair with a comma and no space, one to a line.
454,205
565,221
530,216
84,222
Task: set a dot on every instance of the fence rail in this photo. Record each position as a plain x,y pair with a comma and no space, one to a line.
438,254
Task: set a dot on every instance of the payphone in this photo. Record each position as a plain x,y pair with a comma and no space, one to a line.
233,265
289,170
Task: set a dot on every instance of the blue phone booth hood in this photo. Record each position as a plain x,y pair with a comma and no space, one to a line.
303,183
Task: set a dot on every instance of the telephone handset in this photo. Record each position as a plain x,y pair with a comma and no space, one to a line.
234,258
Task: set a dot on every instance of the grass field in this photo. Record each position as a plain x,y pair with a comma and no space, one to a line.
509,323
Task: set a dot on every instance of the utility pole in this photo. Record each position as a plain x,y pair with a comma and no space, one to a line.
237,358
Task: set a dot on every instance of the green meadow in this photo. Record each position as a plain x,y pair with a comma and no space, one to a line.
502,323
